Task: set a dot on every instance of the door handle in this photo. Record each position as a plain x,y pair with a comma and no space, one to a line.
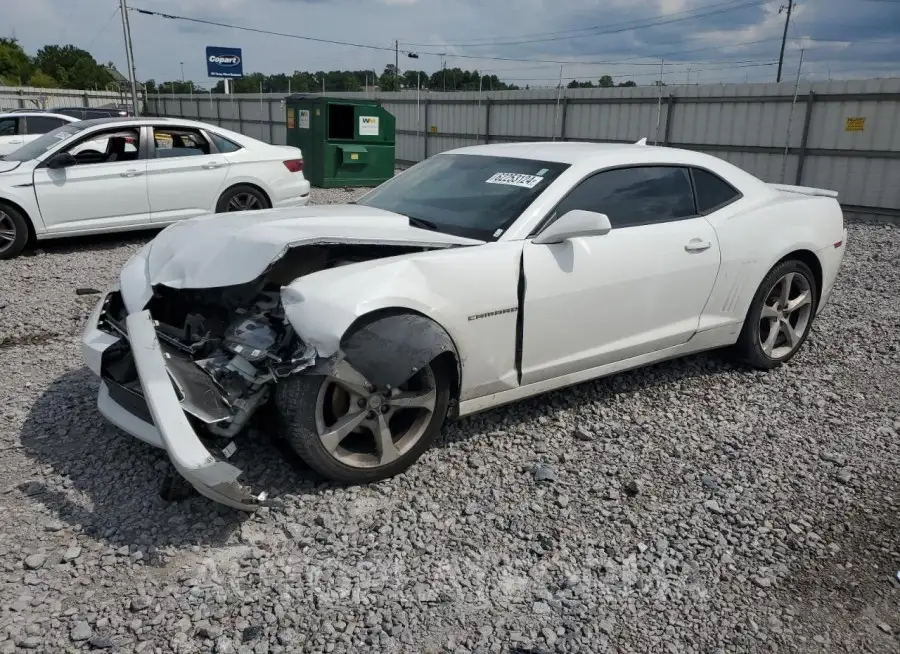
697,245
214,164
131,173
15,141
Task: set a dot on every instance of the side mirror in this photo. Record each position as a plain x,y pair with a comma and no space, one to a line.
573,224
61,160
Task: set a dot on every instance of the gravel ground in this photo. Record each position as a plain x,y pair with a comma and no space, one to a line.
687,507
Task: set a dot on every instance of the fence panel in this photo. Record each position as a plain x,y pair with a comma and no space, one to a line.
777,132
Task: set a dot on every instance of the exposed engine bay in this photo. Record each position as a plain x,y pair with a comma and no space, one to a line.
226,347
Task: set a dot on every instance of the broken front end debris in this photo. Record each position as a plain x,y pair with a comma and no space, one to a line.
188,369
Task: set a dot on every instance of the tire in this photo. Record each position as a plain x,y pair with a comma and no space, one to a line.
305,407
753,346
13,232
242,197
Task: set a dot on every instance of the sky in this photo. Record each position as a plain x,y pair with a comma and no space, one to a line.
523,41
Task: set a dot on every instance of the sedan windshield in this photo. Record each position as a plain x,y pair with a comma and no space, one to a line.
468,195
43,143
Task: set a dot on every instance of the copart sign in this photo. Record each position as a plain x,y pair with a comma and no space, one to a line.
224,62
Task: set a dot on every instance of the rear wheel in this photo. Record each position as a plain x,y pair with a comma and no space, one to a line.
351,432
13,232
780,317
242,197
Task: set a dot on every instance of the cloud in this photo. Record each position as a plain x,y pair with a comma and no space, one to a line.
627,38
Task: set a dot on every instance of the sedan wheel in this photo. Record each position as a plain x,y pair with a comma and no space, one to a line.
7,231
780,316
244,202
349,431
242,197
13,232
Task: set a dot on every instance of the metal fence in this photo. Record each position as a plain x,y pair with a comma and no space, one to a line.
15,97
839,135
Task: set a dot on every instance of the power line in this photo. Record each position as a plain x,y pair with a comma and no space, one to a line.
375,47
491,40
610,28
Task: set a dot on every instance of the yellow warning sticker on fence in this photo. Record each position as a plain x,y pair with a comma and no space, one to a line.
433,129
856,124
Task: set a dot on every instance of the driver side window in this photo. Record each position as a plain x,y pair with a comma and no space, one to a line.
108,146
638,195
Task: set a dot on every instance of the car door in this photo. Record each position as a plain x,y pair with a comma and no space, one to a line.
185,173
11,137
105,189
591,301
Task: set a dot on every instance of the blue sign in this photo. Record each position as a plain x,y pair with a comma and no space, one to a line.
224,62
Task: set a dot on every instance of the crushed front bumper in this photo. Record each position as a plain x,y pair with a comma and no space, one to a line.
151,410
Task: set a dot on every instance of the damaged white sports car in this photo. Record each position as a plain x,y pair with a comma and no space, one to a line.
478,277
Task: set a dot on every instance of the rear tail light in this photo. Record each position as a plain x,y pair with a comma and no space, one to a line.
294,165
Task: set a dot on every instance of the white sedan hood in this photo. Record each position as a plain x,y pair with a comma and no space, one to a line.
235,248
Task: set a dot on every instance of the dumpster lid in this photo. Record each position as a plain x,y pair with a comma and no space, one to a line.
353,148
318,97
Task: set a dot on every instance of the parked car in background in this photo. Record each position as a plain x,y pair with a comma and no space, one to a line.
478,277
105,111
20,127
117,174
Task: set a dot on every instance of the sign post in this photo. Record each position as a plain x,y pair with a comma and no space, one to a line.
226,63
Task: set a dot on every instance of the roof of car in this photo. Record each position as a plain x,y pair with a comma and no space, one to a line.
559,151
19,113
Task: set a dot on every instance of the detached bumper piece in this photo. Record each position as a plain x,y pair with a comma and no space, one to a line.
211,477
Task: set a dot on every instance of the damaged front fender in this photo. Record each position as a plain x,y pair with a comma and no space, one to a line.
389,349
213,478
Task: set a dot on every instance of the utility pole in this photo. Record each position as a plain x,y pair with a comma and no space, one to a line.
787,21
129,56
396,65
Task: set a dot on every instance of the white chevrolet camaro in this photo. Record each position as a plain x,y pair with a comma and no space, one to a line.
118,174
478,277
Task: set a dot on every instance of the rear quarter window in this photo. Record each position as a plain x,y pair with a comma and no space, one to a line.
712,191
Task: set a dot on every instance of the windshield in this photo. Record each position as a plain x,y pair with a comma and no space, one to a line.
469,195
43,143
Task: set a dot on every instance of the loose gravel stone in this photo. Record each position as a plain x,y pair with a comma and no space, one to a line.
81,631
465,551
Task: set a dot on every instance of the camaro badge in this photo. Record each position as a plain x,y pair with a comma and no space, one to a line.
479,316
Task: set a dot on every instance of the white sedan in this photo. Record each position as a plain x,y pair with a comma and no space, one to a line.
21,127
478,277
118,174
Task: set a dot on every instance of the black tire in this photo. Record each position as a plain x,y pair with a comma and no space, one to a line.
749,349
296,399
242,195
12,220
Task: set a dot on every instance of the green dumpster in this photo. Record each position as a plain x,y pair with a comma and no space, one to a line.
344,142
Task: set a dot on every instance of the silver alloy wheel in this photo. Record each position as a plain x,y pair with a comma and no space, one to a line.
244,202
7,231
785,315
362,427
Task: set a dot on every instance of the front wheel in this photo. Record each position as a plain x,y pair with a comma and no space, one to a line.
350,432
780,316
13,232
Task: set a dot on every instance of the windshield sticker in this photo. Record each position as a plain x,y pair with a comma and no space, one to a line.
515,179
542,172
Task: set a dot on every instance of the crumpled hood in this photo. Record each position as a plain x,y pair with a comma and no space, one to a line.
235,248
8,166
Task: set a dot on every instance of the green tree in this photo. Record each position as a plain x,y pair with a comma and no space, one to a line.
606,82
42,80
15,65
72,67
628,83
